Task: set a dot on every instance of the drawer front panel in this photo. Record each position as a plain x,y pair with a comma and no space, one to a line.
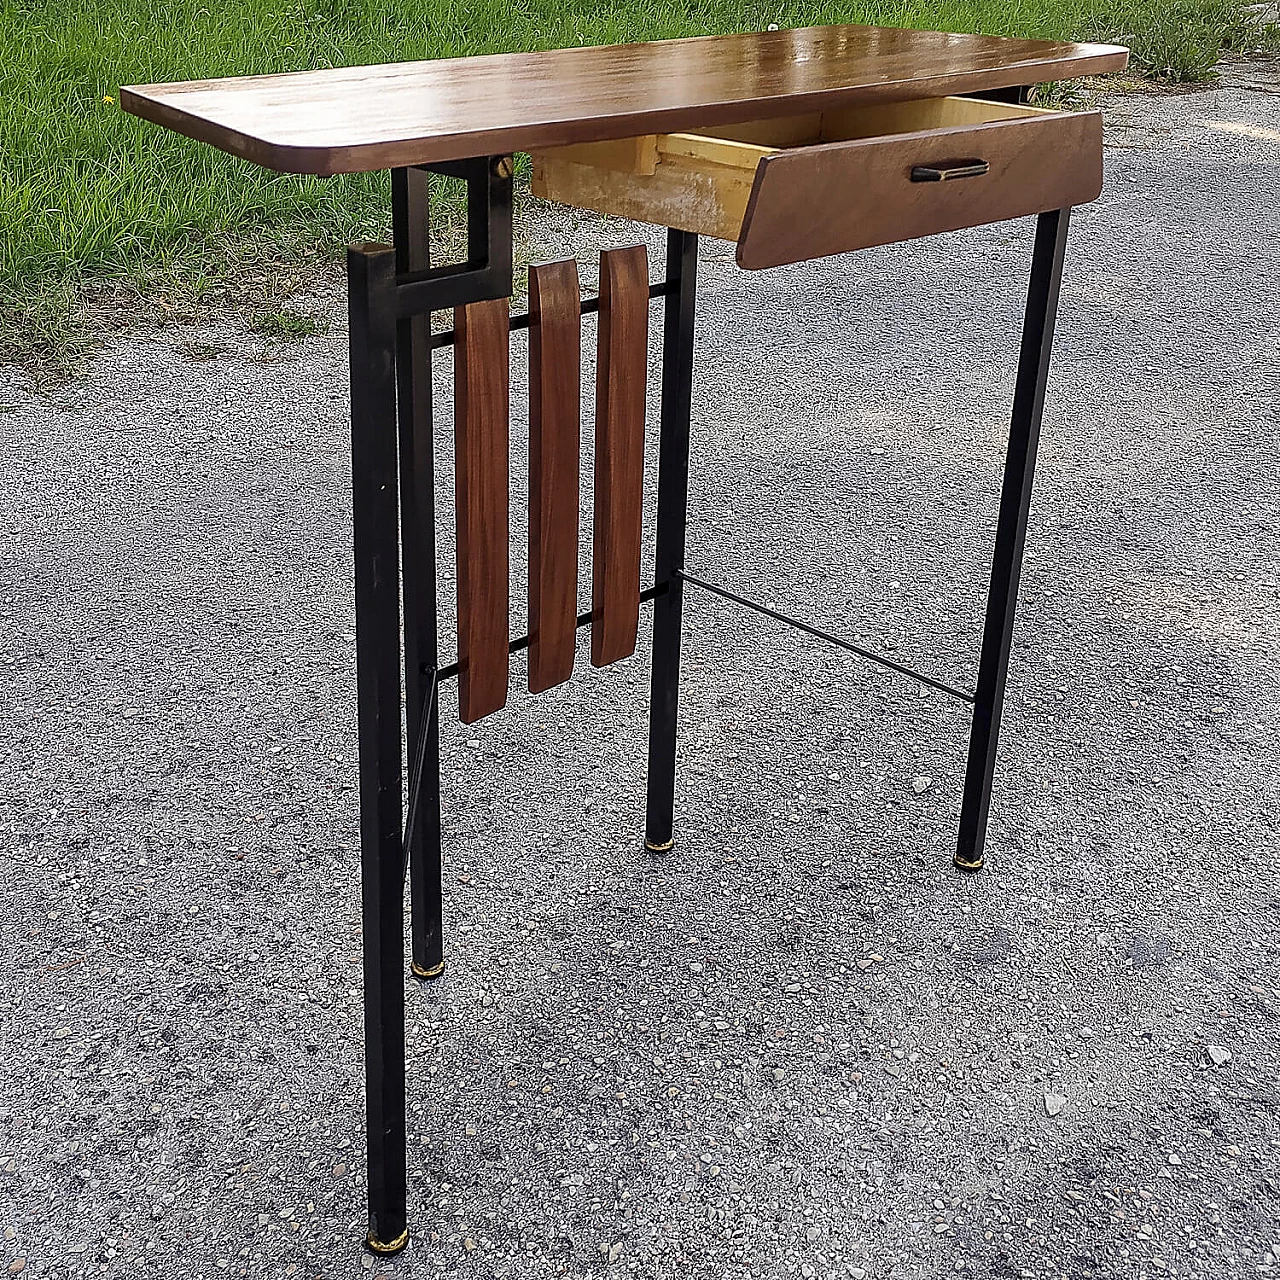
813,201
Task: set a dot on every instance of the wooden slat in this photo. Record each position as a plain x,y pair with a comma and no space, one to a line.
554,441
481,467
355,119
621,366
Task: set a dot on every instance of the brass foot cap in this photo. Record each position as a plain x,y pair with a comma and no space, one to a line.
375,1245
968,866
665,847
419,972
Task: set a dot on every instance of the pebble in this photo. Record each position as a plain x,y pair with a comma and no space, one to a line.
1053,1103
921,783
1218,1055
18,1264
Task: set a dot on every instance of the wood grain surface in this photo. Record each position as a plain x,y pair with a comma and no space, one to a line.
357,119
851,195
481,413
622,364
555,340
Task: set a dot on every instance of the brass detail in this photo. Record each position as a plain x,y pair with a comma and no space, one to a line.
376,1246
418,972
968,866
660,848
503,167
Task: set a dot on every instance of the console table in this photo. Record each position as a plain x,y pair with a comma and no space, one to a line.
796,145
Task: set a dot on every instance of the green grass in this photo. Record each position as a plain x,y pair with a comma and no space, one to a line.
1178,40
286,323
89,194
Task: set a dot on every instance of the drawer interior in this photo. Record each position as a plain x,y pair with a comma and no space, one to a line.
878,121
749,141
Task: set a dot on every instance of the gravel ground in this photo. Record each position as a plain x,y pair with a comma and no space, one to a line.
800,1044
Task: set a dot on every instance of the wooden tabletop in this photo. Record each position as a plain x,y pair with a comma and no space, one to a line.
351,120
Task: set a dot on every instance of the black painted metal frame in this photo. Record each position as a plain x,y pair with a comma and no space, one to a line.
392,292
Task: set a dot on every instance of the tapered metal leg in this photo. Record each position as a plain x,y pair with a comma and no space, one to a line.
371,303
1011,529
410,209
673,496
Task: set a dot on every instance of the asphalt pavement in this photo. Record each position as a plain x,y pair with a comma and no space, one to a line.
801,1043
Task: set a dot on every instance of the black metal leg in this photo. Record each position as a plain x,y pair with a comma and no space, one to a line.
1011,529
371,302
410,207
673,495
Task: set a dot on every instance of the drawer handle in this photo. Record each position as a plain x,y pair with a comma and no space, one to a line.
949,170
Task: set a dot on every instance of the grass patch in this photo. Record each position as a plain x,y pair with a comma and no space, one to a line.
1179,41
95,203
286,323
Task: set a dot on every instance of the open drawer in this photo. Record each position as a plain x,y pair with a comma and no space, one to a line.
806,186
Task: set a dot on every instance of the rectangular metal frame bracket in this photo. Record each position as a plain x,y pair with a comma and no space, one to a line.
487,272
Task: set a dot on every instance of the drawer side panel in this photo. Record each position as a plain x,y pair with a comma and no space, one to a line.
709,201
